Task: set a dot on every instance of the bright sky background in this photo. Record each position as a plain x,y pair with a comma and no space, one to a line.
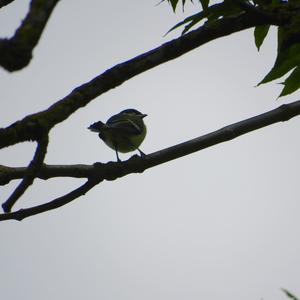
222,223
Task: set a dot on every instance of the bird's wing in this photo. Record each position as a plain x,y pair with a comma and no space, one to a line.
124,125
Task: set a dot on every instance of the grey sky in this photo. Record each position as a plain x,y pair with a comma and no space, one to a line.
222,223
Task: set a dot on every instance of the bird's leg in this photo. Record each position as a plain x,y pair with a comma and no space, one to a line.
141,152
118,159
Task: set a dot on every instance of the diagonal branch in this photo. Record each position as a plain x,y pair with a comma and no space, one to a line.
28,128
16,53
29,175
114,170
5,2
56,203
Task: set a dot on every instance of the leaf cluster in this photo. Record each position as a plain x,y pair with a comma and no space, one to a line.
288,55
288,37
174,3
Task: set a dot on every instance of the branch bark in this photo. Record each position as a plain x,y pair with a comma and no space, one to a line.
16,53
56,203
113,170
29,175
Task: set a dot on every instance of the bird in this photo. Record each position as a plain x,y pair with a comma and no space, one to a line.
123,132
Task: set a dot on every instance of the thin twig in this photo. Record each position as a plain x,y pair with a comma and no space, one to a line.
29,175
26,212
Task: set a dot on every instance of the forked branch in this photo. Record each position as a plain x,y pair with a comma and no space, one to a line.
29,174
114,170
56,203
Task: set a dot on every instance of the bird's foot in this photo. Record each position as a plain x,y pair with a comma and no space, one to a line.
141,153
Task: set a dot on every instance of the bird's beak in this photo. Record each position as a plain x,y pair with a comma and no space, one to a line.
96,127
92,129
143,116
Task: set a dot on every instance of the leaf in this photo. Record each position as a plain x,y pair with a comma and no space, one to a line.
288,34
294,1
292,83
290,295
193,23
288,50
183,3
260,32
285,61
174,4
275,2
189,19
204,4
280,37
212,13
224,9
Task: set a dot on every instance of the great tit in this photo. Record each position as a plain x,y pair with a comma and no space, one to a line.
123,132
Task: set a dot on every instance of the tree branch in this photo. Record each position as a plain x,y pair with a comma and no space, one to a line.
5,2
16,53
113,170
29,128
29,174
56,203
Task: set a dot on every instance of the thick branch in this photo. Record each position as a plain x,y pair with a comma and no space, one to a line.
29,175
113,170
16,53
29,128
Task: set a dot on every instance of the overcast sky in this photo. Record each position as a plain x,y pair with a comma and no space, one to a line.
222,223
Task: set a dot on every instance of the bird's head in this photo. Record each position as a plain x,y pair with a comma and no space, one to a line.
96,127
133,113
